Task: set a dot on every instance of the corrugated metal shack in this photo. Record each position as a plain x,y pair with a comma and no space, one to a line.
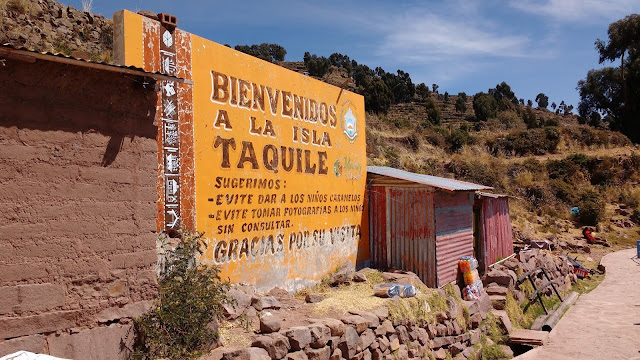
494,238
420,223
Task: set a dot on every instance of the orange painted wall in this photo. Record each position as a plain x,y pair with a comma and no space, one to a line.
279,166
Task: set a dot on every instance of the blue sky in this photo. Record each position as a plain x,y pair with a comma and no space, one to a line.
535,46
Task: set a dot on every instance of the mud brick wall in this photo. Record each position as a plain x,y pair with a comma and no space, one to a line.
78,160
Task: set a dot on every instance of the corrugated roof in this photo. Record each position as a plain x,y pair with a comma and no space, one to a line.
22,53
495,196
434,181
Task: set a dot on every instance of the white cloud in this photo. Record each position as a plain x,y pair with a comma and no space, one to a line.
429,37
578,10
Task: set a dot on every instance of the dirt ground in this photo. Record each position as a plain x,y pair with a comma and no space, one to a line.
603,324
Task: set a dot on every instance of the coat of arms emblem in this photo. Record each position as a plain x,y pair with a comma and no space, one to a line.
350,125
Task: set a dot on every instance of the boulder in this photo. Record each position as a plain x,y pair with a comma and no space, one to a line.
240,301
372,318
349,342
452,307
366,339
440,354
498,301
503,319
441,316
323,353
499,277
344,275
336,326
359,277
320,335
403,334
443,341
381,312
385,328
276,345
299,337
495,289
269,324
265,302
358,322
313,298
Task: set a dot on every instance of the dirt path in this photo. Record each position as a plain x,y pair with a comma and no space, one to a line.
604,324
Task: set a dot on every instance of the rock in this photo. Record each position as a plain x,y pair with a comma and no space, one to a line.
251,353
441,330
344,275
265,302
457,330
240,301
366,339
484,305
423,336
385,328
359,277
320,335
432,330
440,354
323,353
381,312
441,316
373,319
475,320
403,352
507,350
476,334
503,319
601,268
449,327
280,293
336,355
313,298
456,348
269,324
376,354
443,341
403,335
276,345
384,343
299,337
495,289
498,301
452,307
358,322
394,342
499,277
336,326
297,355
349,342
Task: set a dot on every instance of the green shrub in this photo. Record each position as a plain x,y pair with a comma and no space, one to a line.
520,143
591,207
457,139
564,192
190,297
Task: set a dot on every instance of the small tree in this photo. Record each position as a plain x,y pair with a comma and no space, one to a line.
485,106
191,296
433,112
461,105
553,105
422,90
435,88
446,97
529,103
542,100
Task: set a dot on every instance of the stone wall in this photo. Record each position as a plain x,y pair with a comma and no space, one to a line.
45,25
78,159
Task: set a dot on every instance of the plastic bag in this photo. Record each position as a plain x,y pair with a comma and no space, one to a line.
473,292
471,278
389,290
467,264
386,290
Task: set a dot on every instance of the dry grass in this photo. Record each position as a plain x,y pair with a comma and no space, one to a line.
233,334
357,296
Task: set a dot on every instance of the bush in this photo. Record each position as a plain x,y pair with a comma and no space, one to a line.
457,139
591,208
564,192
520,143
191,297
484,173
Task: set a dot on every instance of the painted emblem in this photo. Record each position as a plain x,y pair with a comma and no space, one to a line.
167,38
350,125
337,168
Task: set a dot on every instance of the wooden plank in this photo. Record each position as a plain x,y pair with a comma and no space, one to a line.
528,337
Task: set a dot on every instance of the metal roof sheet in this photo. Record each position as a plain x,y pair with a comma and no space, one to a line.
25,54
434,181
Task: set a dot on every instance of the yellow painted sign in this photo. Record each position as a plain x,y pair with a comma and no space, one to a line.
279,165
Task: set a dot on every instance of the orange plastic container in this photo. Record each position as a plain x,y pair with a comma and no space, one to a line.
471,278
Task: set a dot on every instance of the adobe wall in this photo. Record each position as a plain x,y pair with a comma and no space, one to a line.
78,159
